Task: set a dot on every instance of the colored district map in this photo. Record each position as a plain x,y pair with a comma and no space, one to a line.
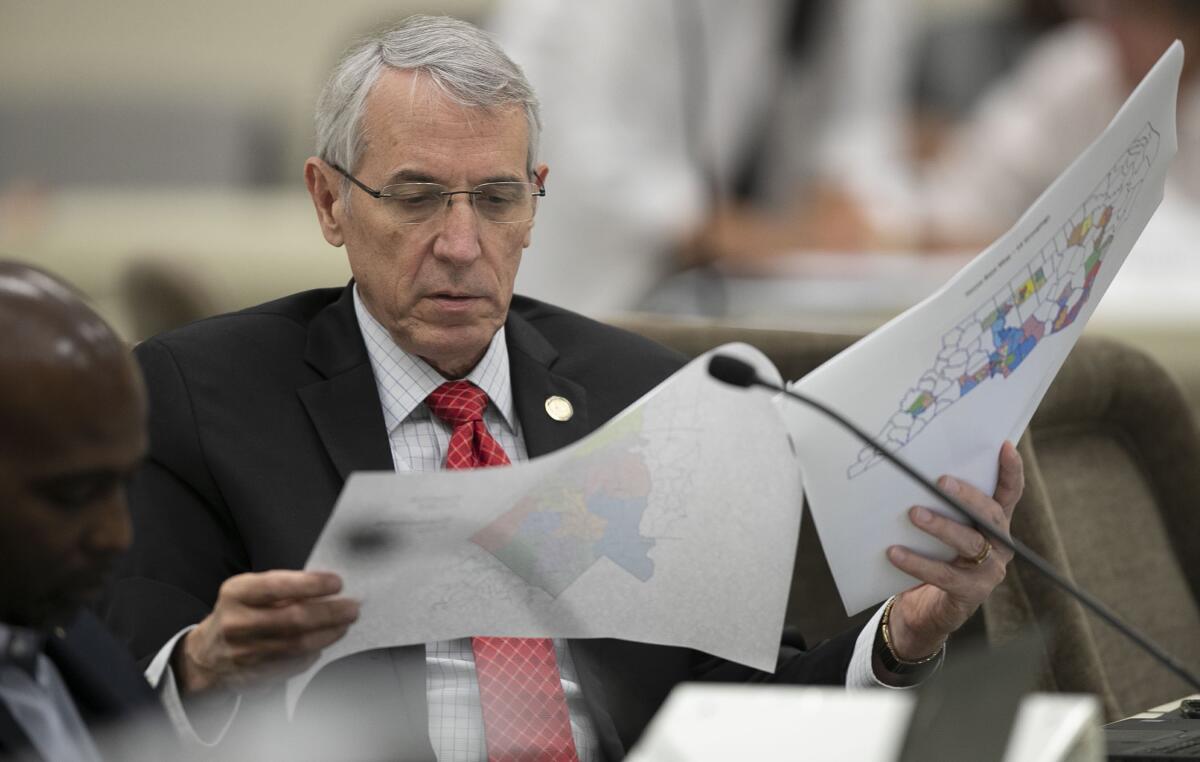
592,508
1044,298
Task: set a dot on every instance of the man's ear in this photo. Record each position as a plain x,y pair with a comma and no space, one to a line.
324,186
539,176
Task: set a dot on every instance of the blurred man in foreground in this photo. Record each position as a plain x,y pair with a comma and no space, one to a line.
427,174
72,432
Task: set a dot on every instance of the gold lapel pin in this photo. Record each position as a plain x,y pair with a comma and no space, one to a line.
559,408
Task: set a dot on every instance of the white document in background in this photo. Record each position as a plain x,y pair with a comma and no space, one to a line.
674,523
945,383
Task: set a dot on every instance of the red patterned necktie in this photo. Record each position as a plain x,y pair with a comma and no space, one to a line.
525,715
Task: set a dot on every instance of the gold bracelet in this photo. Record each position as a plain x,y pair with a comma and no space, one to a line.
887,641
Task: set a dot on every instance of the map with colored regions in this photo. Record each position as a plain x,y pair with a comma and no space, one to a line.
1045,297
592,508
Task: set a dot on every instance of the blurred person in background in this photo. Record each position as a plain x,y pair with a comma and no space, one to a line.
72,432
689,131
1034,122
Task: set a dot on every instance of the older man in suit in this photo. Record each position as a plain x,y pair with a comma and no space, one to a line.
72,431
427,175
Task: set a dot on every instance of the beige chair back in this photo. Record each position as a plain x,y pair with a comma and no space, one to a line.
1112,460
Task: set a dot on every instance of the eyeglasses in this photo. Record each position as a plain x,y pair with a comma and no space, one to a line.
411,203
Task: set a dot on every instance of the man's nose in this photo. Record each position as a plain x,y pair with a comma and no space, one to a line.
458,240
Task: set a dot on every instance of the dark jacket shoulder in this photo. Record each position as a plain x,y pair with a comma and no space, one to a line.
283,322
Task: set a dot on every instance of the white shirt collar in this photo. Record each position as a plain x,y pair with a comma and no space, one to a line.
405,380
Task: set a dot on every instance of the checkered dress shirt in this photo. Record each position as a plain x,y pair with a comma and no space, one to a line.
419,441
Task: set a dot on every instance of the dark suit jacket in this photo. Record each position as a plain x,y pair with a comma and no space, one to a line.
258,417
105,684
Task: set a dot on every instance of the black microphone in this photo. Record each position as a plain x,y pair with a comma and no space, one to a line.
732,371
737,372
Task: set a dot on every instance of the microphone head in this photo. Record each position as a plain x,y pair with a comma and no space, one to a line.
732,371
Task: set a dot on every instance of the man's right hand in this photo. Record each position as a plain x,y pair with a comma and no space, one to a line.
266,625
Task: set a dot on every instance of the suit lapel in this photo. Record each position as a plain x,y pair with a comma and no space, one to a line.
344,406
530,357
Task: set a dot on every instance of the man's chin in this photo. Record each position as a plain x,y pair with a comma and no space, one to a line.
62,606
479,312
453,349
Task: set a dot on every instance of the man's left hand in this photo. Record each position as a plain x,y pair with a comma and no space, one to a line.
924,616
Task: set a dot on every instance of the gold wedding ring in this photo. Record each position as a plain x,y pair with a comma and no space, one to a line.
982,556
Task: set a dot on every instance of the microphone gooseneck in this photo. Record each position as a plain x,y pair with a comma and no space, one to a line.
737,372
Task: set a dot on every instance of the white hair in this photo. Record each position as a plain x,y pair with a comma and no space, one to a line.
461,59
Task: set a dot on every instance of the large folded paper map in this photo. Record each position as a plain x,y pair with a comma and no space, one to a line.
1046,295
945,383
673,523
